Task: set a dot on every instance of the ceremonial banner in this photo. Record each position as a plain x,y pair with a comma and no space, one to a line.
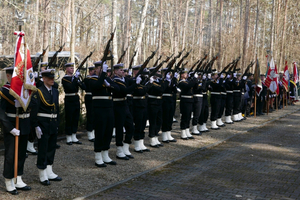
286,77
257,79
22,82
272,78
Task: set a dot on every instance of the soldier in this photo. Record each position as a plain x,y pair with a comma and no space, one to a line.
186,103
261,98
236,98
168,107
8,105
155,108
197,105
122,113
222,103
204,110
46,120
140,112
102,88
229,85
71,83
215,87
89,105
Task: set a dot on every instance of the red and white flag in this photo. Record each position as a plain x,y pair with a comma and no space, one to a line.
22,82
286,77
295,70
272,78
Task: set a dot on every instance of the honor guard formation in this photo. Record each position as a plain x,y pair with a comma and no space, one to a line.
120,100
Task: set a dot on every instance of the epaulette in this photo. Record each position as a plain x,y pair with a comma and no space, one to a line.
44,100
66,80
7,99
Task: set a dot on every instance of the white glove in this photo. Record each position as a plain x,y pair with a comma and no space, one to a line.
130,72
151,79
15,132
196,75
222,76
35,74
38,132
168,76
228,76
234,75
107,84
138,79
209,76
17,104
176,75
204,76
105,67
77,73
244,78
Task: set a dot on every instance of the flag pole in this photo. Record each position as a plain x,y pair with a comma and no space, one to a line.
268,101
255,97
20,22
283,97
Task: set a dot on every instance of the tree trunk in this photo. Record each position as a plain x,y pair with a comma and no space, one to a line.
46,29
220,35
73,38
272,26
113,26
244,56
200,28
160,27
210,28
36,27
141,30
282,49
255,33
127,32
185,22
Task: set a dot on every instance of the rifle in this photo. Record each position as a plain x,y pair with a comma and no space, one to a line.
55,56
199,65
233,67
156,62
193,66
36,64
208,67
131,61
248,68
172,62
121,58
179,63
160,65
84,61
146,63
227,67
184,64
107,49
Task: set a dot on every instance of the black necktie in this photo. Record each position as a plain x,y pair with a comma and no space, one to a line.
50,91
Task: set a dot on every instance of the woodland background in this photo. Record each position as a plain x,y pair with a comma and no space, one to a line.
229,27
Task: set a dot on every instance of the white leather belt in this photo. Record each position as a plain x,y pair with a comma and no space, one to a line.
102,97
167,95
198,95
187,97
70,94
229,91
139,97
154,97
203,92
224,93
236,90
22,116
88,93
243,93
215,93
129,95
52,116
119,99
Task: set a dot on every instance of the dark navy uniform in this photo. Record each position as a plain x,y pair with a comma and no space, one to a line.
8,105
205,109
72,103
229,85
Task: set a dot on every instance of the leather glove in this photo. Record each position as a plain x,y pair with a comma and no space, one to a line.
245,78
151,79
17,104
204,76
107,84
228,76
15,132
209,76
77,73
234,75
176,75
105,67
138,79
38,132
222,76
